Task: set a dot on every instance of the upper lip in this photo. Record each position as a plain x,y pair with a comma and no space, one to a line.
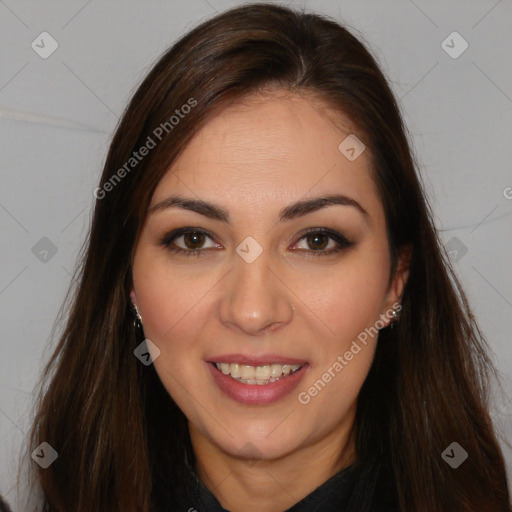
260,360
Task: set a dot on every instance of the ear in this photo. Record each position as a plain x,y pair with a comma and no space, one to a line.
397,286
402,273
133,297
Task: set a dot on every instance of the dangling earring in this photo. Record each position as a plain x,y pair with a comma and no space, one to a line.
394,318
137,322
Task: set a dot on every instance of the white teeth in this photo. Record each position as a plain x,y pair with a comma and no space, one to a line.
276,370
263,372
247,372
258,375
234,370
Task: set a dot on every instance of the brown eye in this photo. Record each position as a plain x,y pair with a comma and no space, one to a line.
322,242
317,241
194,240
189,242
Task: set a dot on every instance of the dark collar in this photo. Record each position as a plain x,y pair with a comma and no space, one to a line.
332,496
368,488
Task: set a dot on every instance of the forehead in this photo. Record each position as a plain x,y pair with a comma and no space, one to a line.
269,149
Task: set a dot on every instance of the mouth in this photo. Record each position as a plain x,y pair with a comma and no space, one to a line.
263,381
257,375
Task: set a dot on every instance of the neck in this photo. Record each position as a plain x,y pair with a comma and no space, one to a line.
273,485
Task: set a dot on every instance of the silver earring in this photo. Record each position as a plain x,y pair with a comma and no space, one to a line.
394,318
137,322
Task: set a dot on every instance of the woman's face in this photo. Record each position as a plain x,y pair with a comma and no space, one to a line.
270,282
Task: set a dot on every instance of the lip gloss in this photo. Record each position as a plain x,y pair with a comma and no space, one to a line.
256,394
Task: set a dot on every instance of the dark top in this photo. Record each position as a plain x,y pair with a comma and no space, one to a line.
340,493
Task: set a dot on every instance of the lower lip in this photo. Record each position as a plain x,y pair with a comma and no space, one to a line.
256,394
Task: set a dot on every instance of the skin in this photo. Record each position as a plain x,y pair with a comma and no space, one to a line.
253,159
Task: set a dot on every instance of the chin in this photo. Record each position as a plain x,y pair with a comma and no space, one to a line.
265,444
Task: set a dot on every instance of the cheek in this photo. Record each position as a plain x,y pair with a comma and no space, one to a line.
173,313
348,297
346,306
168,298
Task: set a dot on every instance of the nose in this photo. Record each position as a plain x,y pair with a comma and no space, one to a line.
255,297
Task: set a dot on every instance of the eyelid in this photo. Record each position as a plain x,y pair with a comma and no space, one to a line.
171,235
342,241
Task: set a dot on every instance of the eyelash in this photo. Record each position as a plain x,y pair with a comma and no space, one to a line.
342,241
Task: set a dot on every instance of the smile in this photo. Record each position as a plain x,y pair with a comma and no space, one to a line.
259,375
256,384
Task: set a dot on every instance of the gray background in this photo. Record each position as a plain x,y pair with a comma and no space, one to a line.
58,115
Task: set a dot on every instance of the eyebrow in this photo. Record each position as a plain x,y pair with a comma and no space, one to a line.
293,211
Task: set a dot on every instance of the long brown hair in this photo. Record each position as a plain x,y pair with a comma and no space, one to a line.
121,440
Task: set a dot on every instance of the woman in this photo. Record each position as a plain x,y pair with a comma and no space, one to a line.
264,318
